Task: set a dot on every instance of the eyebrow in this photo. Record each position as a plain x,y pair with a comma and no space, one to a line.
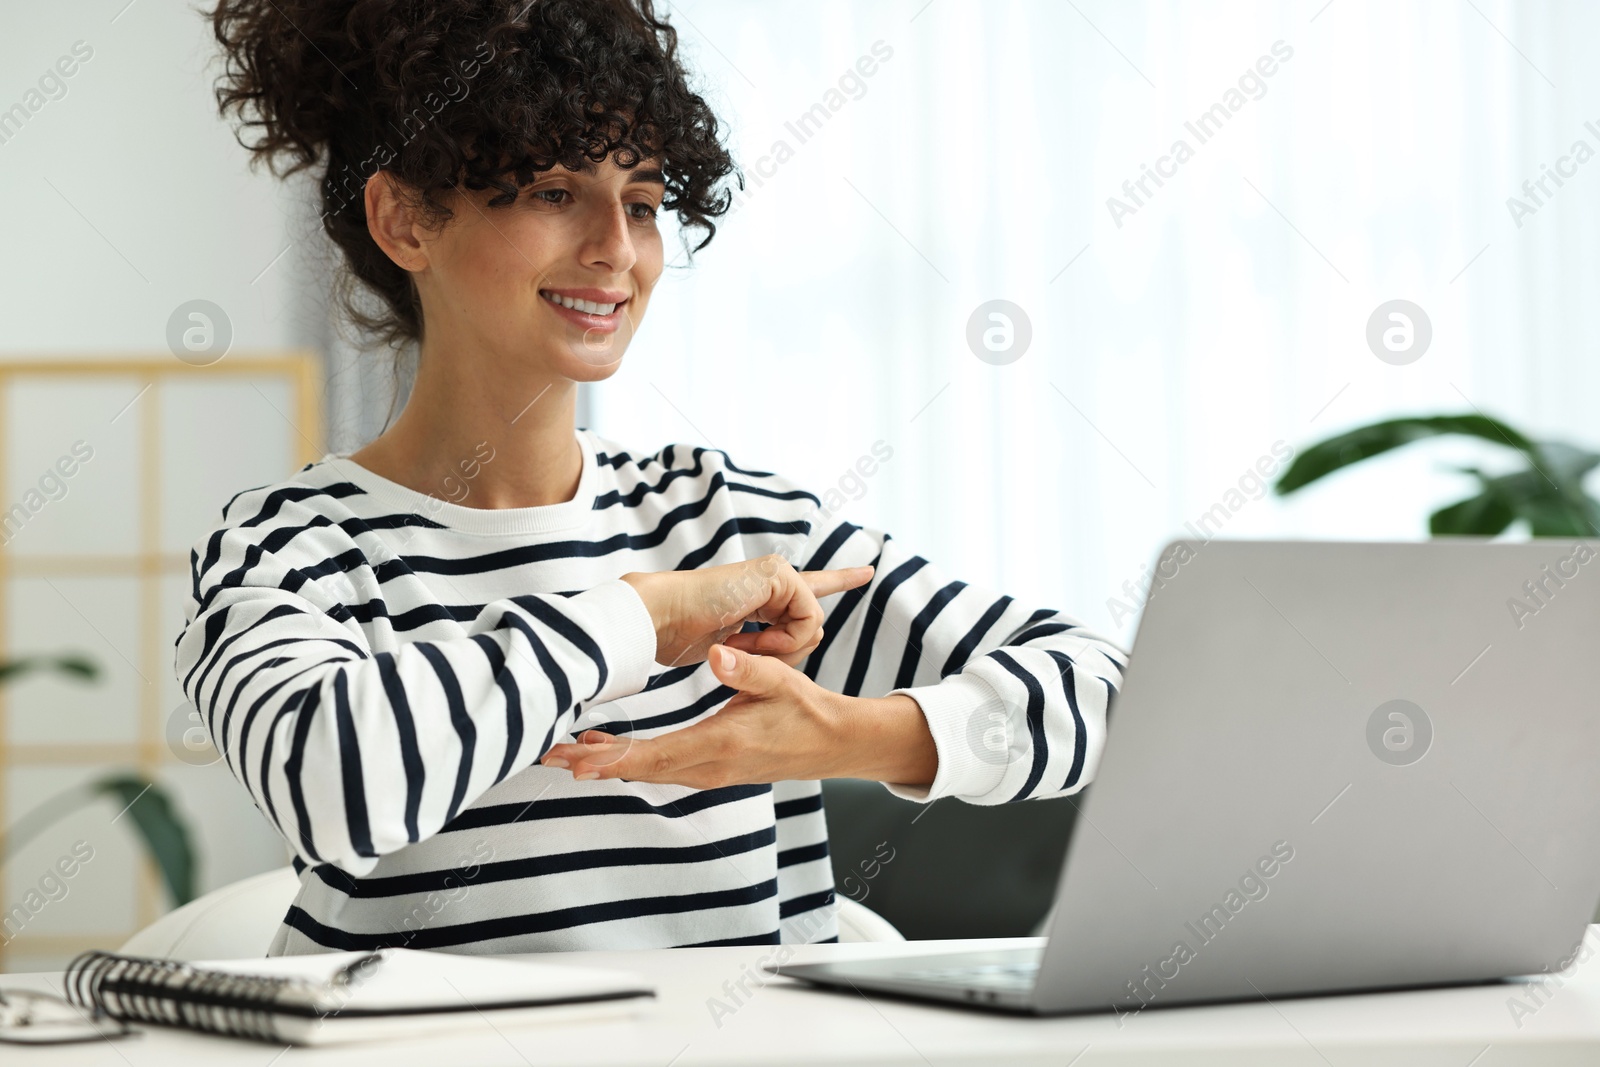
653,175
638,175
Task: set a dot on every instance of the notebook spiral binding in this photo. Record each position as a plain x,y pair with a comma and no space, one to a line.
171,993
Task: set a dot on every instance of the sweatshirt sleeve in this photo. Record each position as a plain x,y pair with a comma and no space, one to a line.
1016,696
353,753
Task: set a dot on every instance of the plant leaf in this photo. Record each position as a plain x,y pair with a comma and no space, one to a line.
1547,508
76,666
1567,463
1483,515
80,667
1353,446
165,833
1567,466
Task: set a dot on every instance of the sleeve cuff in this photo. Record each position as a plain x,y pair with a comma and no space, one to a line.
971,733
620,624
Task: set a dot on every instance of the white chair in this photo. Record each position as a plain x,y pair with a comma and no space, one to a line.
234,922
239,920
857,922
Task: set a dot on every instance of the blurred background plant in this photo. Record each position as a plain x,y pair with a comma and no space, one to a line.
156,821
1545,490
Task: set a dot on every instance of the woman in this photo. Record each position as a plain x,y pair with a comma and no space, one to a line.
585,702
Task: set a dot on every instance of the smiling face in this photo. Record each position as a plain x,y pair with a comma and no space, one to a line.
555,282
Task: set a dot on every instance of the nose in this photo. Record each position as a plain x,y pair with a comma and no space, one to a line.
608,244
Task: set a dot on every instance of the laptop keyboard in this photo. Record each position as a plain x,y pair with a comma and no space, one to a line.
1018,976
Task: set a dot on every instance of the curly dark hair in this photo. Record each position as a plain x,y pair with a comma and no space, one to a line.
445,94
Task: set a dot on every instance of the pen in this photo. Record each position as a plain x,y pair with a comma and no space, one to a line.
347,975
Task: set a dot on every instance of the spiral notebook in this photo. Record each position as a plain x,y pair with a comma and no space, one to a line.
346,996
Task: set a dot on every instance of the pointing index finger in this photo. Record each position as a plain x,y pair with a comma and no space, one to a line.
826,583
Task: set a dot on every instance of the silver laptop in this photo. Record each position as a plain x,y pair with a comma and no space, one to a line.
1332,767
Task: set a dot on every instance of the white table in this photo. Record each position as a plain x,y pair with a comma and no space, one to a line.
784,1023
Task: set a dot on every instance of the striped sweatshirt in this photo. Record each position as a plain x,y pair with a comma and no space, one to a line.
382,669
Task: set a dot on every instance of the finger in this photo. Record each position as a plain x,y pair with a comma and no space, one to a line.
758,589
668,760
750,642
795,659
775,641
784,648
592,752
757,675
593,745
826,583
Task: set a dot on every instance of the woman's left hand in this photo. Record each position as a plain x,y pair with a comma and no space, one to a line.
780,726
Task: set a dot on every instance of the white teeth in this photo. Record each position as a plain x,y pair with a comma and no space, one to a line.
588,307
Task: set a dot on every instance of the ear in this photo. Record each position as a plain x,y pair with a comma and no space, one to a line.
394,223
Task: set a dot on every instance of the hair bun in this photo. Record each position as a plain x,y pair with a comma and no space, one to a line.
285,65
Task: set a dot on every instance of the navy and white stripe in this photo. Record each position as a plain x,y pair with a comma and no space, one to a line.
382,671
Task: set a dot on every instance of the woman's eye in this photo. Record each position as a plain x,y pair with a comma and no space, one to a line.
550,196
641,212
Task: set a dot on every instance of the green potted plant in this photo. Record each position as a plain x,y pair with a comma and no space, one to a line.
156,821
1545,490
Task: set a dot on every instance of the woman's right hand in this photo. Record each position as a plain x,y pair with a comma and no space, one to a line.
695,609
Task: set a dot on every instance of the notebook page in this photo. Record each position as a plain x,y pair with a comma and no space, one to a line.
409,979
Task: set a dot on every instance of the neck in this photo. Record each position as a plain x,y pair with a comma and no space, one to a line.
458,418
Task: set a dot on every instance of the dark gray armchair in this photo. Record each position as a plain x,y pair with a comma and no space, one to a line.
950,869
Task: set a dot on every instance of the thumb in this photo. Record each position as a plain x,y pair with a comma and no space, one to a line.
747,673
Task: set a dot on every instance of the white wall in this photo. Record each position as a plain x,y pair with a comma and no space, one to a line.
125,197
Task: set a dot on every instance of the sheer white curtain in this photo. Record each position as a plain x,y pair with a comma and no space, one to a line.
1172,347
